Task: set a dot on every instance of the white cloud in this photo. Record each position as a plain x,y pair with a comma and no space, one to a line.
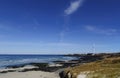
73,7
105,31
90,28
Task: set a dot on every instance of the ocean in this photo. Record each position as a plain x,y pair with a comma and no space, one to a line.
9,60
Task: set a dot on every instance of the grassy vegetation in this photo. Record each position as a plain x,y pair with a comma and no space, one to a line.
107,68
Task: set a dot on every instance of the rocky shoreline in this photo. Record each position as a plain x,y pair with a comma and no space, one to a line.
57,65
86,59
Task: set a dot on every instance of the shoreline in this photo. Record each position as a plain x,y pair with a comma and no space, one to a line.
55,70
30,74
42,70
27,71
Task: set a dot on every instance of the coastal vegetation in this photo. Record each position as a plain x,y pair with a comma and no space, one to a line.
106,68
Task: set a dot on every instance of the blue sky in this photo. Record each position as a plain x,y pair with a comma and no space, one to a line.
59,26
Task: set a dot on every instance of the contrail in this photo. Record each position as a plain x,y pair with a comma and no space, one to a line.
65,28
73,7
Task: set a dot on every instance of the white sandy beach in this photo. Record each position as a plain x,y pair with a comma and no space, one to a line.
28,74
32,74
